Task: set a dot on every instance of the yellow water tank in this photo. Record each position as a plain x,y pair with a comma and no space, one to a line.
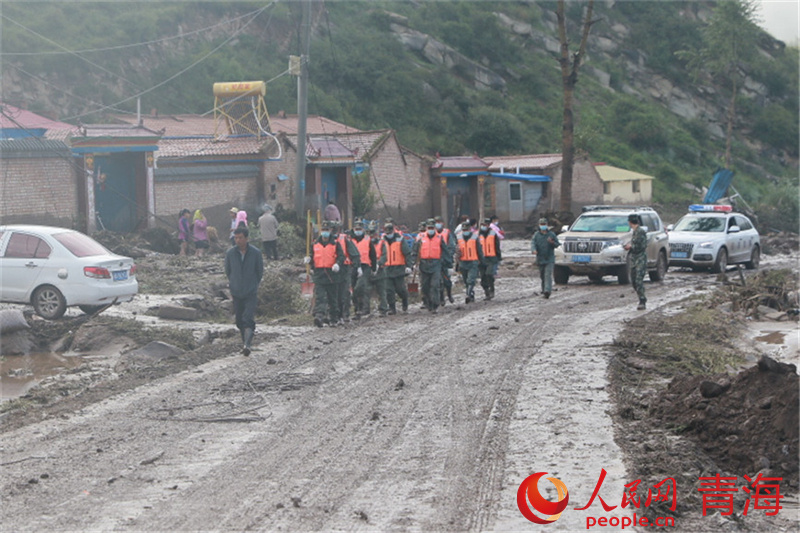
240,88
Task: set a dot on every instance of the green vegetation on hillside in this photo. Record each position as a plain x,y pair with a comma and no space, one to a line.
362,75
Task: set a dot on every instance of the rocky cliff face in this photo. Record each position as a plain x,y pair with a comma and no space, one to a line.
701,101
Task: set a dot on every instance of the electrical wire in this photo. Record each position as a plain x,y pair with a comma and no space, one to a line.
179,73
131,45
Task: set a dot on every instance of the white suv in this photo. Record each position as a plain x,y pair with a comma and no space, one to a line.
594,245
712,236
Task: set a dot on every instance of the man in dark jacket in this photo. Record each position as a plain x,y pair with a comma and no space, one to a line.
543,246
244,268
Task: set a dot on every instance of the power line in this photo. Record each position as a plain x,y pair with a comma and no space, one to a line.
179,73
123,46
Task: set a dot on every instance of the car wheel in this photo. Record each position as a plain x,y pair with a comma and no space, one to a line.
48,302
90,309
755,259
661,268
721,264
624,272
560,275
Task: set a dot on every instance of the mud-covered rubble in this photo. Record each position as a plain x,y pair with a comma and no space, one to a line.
783,242
768,295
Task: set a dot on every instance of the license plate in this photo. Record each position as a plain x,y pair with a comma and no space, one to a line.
680,255
120,275
581,258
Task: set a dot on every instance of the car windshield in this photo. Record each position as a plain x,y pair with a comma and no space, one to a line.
80,245
602,223
704,224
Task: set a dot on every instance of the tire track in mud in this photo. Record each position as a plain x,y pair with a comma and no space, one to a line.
347,448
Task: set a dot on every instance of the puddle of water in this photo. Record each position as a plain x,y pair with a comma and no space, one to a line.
19,373
772,337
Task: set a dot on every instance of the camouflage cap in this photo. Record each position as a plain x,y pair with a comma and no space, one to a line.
430,223
542,221
326,224
388,226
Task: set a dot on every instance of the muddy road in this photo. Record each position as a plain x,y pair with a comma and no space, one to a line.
409,422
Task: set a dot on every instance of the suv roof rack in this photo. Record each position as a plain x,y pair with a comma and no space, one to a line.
586,208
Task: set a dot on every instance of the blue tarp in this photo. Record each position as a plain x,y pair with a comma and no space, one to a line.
520,177
719,185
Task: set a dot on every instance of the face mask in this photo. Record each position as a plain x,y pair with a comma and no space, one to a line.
325,234
467,234
484,228
359,233
438,226
390,235
431,232
543,228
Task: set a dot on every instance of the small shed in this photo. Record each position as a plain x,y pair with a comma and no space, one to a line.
622,186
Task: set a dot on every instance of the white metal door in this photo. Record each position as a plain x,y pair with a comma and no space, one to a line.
515,203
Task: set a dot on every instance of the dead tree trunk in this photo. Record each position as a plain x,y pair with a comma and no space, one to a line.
569,78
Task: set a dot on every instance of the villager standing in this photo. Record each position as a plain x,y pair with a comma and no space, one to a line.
233,211
638,249
332,212
379,272
351,257
244,268
200,233
469,257
431,249
490,243
268,225
184,230
543,247
363,274
447,260
326,261
396,260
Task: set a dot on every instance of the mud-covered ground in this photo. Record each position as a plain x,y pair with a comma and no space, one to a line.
410,422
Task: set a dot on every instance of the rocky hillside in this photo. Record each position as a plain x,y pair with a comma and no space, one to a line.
450,77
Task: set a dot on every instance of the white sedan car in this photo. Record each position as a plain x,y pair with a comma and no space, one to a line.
55,268
714,239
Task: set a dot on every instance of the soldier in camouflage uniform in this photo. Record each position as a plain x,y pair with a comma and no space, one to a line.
638,249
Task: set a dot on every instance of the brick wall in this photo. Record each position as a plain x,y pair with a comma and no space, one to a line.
38,190
401,183
587,188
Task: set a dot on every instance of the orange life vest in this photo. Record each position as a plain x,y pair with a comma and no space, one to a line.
489,244
342,238
445,233
395,251
468,249
324,254
431,247
363,249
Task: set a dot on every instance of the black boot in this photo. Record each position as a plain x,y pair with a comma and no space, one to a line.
405,305
248,339
450,294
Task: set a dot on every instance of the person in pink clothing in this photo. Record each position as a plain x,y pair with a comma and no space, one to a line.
241,218
200,233
495,226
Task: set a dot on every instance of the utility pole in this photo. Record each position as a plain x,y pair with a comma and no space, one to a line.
302,109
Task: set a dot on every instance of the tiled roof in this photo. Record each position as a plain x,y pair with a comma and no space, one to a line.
315,125
33,147
16,118
460,163
199,147
523,162
327,148
112,130
609,173
192,125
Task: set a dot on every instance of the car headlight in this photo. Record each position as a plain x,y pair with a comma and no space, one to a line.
609,244
707,244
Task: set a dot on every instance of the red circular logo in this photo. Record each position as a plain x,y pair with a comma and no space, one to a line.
528,492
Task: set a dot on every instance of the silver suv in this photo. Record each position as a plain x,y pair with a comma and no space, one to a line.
594,245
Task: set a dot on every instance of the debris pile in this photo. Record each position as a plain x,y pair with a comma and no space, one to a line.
770,295
748,422
783,242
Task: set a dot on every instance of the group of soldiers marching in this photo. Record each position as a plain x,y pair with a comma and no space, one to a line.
362,261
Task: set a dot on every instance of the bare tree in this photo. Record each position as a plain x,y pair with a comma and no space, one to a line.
569,78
